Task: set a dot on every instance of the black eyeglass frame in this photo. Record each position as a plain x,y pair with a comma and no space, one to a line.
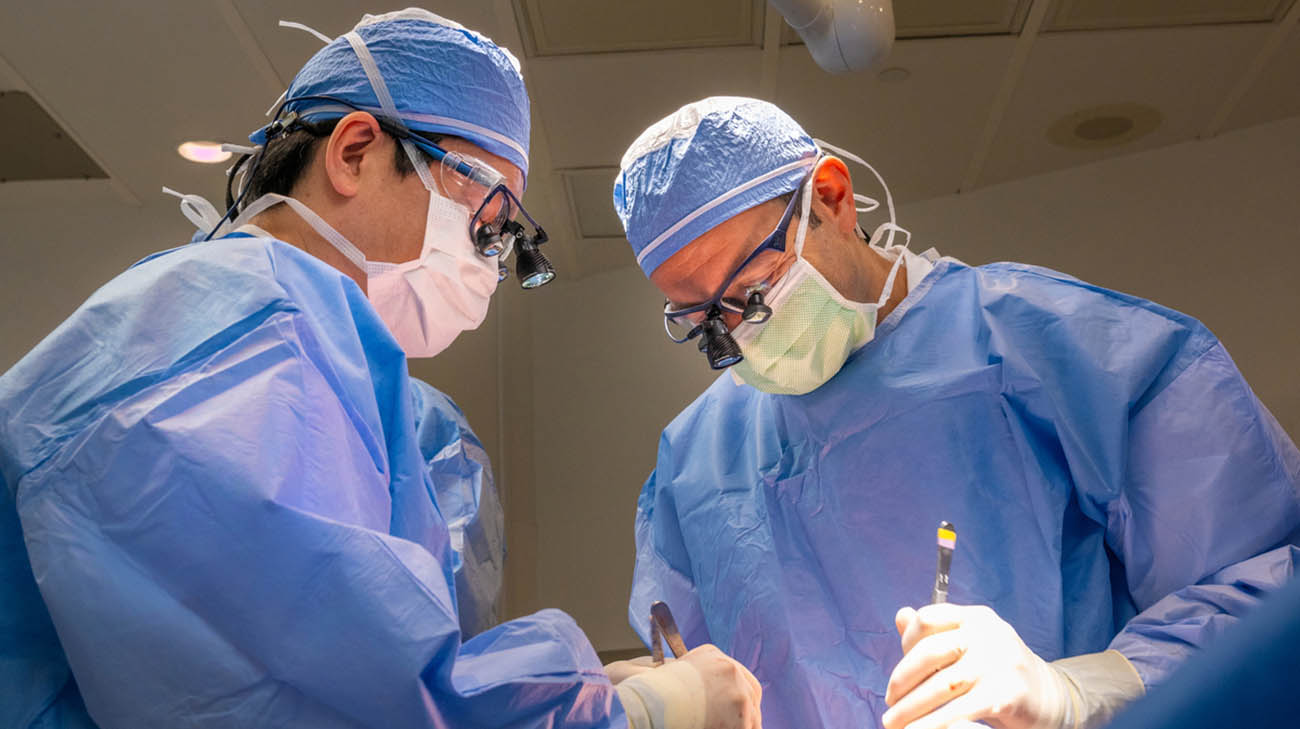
714,307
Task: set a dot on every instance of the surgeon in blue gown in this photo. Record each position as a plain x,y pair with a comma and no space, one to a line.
1121,497
224,502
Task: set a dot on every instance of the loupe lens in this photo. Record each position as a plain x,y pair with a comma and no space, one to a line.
756,312
488,240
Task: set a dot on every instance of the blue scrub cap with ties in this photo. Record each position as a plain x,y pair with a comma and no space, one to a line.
443,78
703,164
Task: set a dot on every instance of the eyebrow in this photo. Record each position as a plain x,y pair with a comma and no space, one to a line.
742,254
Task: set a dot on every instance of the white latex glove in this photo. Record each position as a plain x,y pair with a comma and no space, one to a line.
962,663
704,689
619,671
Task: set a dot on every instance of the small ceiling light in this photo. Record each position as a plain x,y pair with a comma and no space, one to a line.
894,74
1104,126
204,152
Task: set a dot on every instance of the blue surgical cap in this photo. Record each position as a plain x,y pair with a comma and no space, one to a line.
443,77
700,166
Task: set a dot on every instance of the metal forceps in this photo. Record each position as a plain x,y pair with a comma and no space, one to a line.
663,629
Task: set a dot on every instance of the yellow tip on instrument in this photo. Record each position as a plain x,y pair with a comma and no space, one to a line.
947,536
947,543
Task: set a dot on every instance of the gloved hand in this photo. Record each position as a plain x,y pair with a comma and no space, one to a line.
618,671
704,689
963,663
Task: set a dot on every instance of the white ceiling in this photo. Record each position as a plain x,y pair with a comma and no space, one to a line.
130,81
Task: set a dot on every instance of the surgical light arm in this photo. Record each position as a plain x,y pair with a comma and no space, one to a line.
842,35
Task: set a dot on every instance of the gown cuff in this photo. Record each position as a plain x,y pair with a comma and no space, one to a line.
1100,685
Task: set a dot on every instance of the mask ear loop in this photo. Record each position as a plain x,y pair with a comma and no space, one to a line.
889,198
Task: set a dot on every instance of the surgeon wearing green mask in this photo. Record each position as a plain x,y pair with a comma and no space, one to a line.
825,287
871,392
793,280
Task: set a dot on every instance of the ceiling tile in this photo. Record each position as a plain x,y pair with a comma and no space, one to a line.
593,107
558,27
34,147
9,81
143,78
1275,94
590,200
1183,73
1096,14
919,133
940,18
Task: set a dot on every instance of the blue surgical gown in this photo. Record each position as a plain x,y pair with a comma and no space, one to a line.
467,498
1113,481
215,512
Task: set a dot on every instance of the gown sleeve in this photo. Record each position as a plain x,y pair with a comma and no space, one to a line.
214,550
1195,483
1207,521
468,499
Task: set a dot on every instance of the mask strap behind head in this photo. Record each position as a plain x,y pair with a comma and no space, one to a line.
889,199
343,245
893,270
875,235
805,206
306,29
197,209
386,102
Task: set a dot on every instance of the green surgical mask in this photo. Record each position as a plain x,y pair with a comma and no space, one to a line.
813,328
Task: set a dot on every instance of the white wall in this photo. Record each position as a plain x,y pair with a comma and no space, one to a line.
53,259
1211,228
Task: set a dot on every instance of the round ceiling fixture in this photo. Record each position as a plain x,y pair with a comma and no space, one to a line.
203,152
1104,126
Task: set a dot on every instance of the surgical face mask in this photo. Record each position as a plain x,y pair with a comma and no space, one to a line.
812,330
426,302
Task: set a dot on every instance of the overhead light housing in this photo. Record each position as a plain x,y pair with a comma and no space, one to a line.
203,152
842,35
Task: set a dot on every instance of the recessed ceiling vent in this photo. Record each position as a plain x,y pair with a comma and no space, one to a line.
1104,126
33,146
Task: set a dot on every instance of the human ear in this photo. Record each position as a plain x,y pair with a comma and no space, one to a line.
355,136
833,194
